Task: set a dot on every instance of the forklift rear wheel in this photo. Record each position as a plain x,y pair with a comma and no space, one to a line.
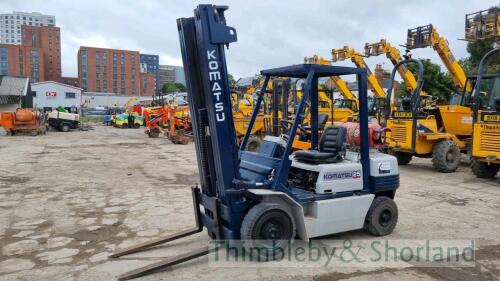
65,128
267,230
446,156
403,158
253,144
483,170
382,216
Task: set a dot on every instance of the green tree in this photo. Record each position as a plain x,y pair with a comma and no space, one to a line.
436,82
476,50
172,87
231,80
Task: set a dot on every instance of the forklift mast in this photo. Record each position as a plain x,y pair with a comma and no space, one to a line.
202,40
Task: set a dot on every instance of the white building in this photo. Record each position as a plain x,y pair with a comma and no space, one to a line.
10,25
95,100
50,95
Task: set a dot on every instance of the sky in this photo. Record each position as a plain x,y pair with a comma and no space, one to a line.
270,33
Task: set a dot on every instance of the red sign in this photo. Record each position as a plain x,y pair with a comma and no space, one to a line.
50,94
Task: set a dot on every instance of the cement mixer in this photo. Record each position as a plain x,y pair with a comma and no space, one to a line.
23,121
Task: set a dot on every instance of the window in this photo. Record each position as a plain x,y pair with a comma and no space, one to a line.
70,95
33,93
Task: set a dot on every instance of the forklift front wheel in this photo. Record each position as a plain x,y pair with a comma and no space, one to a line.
267,230
382,216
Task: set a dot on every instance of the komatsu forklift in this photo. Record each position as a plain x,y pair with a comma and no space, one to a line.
270,197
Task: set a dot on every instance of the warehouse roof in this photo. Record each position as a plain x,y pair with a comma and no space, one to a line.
13,86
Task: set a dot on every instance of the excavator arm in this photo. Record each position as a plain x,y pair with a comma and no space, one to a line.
337,81
359,61
393,54
427,36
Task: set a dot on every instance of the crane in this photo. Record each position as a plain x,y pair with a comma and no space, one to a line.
427,36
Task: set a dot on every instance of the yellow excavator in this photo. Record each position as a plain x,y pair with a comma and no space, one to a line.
343,110
416,128
357,58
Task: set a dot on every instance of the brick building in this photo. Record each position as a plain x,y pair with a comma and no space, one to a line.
151,64
48,38
109,70
18,60
148,84
72,81
113,70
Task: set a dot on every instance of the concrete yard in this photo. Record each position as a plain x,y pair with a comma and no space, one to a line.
67,200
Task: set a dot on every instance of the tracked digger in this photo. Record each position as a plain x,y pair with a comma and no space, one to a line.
268,198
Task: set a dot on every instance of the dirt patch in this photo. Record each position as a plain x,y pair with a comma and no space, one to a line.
444,197
484,269
14,179
186,179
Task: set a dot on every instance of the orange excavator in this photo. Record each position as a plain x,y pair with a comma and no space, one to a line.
173,121
23,121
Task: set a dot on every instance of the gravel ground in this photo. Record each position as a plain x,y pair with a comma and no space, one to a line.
67,200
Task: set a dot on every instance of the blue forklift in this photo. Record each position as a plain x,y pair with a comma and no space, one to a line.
272,196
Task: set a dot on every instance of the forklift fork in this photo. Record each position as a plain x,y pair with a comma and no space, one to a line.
158,266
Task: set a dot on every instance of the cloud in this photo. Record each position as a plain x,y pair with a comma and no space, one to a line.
270,33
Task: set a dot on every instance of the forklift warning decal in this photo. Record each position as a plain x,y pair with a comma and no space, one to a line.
342,175
215,78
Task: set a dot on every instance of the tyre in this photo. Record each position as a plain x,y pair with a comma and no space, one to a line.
267,230
137,125
65,128
124,126
446,156
382,216
483,170
154,133
253,144
403,158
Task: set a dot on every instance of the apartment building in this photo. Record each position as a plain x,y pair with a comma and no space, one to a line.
10,25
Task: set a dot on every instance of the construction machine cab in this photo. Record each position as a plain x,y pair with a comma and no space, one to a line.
486,121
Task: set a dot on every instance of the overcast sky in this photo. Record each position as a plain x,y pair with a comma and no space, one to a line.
270,33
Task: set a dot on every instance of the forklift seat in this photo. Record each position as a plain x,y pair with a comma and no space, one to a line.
322,119
331,147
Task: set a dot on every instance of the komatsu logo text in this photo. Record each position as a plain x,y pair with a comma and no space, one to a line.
342,175
214,76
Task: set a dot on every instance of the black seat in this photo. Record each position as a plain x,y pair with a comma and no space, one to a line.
322,119
331,147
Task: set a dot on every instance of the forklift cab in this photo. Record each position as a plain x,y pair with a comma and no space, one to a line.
331,170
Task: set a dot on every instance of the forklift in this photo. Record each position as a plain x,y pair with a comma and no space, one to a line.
267,198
